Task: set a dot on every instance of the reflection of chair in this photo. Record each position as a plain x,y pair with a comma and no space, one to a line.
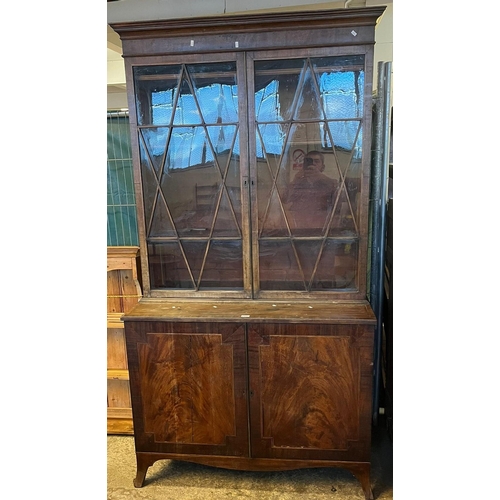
205,195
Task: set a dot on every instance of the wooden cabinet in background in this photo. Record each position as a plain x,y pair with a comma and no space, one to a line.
124,292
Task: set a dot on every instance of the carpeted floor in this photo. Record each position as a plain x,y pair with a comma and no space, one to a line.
177,480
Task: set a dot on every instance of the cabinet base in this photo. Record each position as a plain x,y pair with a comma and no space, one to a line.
361,470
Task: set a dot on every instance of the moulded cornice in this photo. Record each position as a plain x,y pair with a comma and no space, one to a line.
244,23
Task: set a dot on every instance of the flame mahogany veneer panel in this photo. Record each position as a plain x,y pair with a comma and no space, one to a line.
189,378
311,391
188,387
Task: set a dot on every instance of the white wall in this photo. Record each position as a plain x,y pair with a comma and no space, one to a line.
383,44
141,10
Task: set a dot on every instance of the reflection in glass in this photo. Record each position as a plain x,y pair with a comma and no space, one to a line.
308,265
167,266
196,265
278,266
189,155
216,94
308,143
223,265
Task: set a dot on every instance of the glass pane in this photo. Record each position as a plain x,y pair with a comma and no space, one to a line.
338,266
152,144
308,100
341,81
216,91
308,143
344,222
308,265
191,173
187,109
168,267
278,266
308,253
156,92
223,266
309,196
276,84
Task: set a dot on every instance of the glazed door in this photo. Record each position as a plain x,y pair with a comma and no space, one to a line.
189,387
306,157
254,170
310,391
191,135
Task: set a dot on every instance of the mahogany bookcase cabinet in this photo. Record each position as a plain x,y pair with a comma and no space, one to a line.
252,345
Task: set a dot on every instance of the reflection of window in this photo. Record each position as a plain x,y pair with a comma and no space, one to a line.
341,98
340,94
161,105
267,108
218,103
343,133
192,145
201,122
188,148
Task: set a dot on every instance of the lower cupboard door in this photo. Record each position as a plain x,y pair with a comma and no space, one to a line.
189,387
310,391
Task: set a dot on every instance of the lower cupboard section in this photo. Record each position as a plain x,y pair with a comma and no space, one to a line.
274,391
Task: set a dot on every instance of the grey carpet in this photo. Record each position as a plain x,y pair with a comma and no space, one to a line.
168,479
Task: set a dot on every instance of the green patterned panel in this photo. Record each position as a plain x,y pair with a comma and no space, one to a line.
121,211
